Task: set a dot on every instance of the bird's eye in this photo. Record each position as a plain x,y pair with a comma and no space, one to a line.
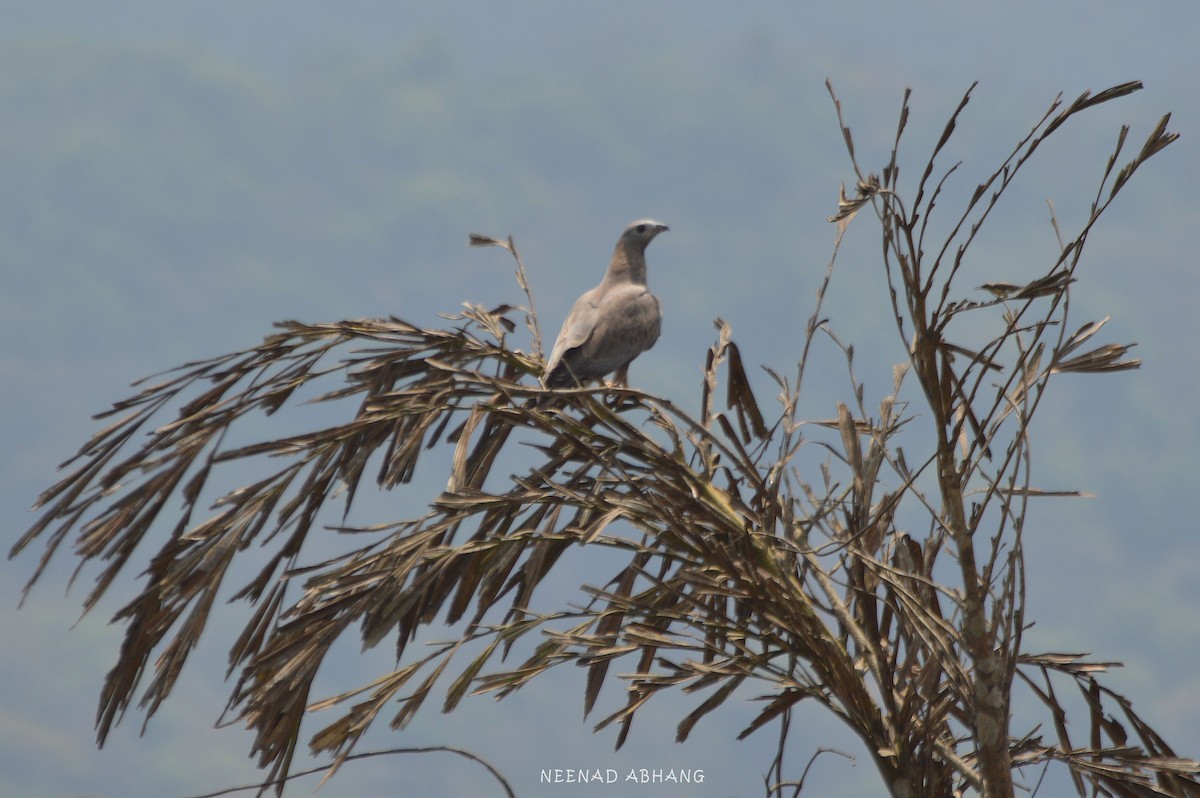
641,228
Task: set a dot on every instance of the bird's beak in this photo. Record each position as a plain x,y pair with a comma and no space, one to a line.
660,228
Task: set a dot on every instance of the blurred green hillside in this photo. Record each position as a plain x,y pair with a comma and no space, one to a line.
163,203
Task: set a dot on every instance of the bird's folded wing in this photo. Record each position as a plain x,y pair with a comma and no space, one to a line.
578,327
626,324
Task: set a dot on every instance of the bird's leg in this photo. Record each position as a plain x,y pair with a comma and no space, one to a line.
620,380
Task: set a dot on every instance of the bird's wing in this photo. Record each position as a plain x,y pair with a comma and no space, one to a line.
627,323
577,328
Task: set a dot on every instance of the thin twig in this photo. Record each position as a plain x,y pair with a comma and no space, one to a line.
263,786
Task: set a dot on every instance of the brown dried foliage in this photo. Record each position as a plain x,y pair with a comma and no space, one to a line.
741,567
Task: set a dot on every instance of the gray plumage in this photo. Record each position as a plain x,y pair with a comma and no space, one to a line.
614,322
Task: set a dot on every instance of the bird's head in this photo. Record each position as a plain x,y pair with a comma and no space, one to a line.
640,233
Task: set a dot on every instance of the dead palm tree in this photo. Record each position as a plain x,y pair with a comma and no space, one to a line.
746,561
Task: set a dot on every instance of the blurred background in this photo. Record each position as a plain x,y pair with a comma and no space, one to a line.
176,177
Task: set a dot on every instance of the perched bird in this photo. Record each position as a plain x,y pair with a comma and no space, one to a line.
614,322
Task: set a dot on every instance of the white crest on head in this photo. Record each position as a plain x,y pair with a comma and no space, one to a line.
643,231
